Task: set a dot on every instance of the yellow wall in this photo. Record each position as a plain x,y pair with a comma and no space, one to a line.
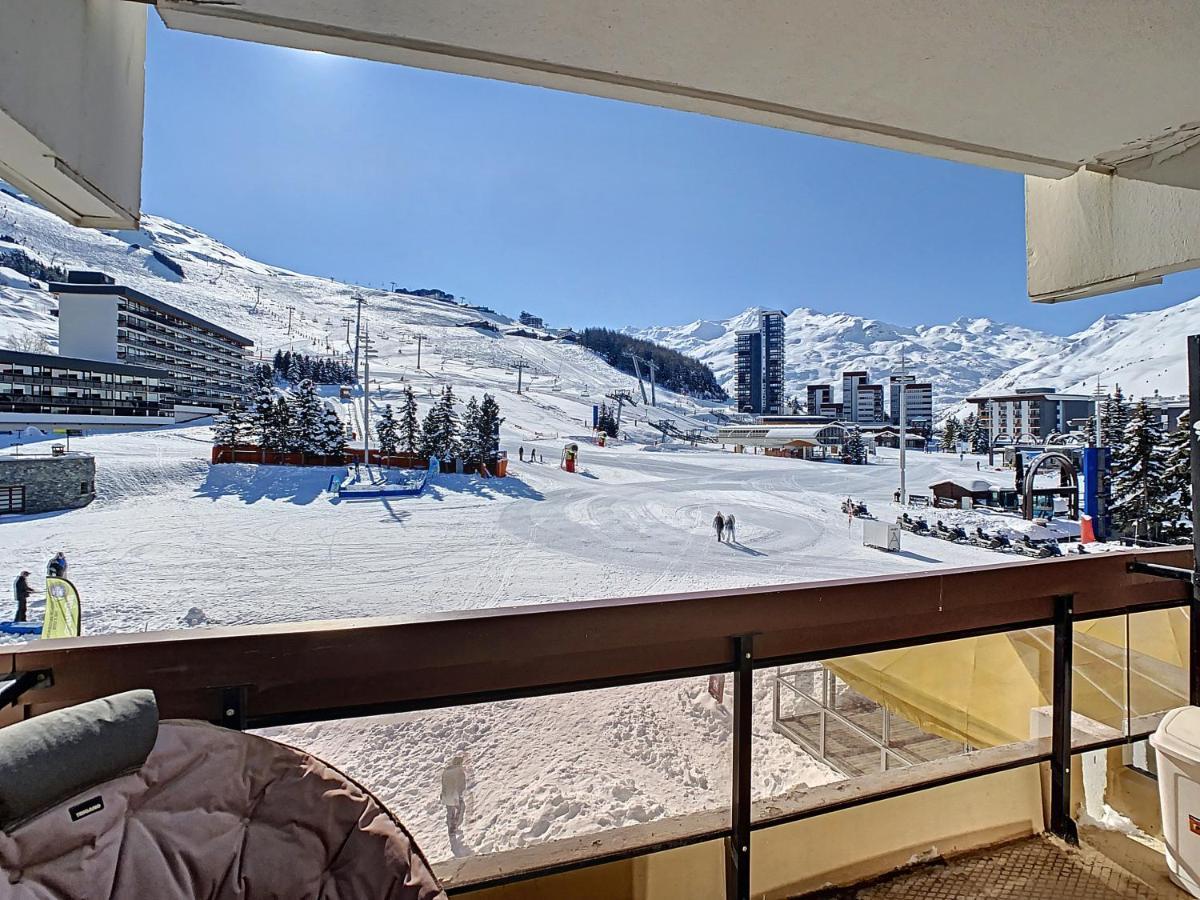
837,848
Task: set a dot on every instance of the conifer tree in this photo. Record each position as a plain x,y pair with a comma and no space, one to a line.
277,432
232,428
307,419
855,451
1177,476
446,422
472,449
410,429
488,426
431,446
385,432
950,434
1138,489
333,434
1113,421
264,416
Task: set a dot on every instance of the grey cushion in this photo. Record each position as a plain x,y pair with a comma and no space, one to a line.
47,759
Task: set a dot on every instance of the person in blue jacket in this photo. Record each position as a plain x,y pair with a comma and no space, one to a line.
57,567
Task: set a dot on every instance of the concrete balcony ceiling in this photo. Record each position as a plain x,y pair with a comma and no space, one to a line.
1044,89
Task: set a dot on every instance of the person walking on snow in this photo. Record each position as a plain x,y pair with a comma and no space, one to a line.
521,453
21,592
730,524
454,791
719,526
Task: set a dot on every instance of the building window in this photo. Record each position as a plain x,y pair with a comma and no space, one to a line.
83,488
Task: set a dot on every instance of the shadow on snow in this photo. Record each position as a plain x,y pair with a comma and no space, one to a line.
487,488
251,483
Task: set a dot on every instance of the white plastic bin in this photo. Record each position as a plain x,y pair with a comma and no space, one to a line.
1177,742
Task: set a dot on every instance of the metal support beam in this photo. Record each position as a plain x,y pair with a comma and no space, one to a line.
1061,822
737,845
1174,572
1193,355
12,689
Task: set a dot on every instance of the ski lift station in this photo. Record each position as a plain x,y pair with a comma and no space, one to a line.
817,440
982,710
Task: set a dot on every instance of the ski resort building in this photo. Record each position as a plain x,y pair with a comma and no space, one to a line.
1031,413
55,393
205,365
815,440
759,365
918,401
819,401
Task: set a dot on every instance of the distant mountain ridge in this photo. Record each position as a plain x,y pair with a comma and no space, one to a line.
957,358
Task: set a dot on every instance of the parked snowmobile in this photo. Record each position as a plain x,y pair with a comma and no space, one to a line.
981,538
1037,549
855,508
916,526
949,532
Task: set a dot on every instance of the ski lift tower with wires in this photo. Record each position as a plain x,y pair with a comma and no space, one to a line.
621,398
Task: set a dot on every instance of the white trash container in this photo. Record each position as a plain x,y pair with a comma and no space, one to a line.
1177,742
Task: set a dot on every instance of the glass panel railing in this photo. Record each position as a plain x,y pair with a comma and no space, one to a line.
475,782
1159,648
966,704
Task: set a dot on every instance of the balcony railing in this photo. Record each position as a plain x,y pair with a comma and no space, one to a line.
275,675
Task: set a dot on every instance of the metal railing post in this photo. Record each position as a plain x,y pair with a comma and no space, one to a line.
1061,822
1193,355
737,845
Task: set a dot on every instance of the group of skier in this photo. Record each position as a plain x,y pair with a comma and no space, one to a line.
56,568
725,528
533,454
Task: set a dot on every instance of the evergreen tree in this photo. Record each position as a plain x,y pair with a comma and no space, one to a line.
473,450
488,425
1177,476
855,451
950,431
385,432
333,434
307,419
970,431
1114,419
430,445
276,427
605,421
233,428
264,415
410,430
1139,494
446,422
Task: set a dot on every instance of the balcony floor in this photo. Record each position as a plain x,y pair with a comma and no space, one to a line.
1038,868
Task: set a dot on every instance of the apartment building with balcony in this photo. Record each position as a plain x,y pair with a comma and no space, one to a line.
203,365
918,401
1034,412
759,365
45,391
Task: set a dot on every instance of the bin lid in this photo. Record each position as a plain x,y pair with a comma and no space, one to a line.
1178,734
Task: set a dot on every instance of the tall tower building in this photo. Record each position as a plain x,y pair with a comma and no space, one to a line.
759,366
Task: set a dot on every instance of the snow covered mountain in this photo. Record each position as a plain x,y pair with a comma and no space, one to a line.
957,357
1142,352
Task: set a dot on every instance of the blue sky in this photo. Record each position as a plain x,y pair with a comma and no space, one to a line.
583,210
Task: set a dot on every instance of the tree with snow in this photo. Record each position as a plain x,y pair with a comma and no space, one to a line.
473,449
333,434
307,419
855,451
950,430
446,422
276,428
386,432
233,428
1177,477
263,415
1114,418
430,444
1139,492
488,426
605,421
409,428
